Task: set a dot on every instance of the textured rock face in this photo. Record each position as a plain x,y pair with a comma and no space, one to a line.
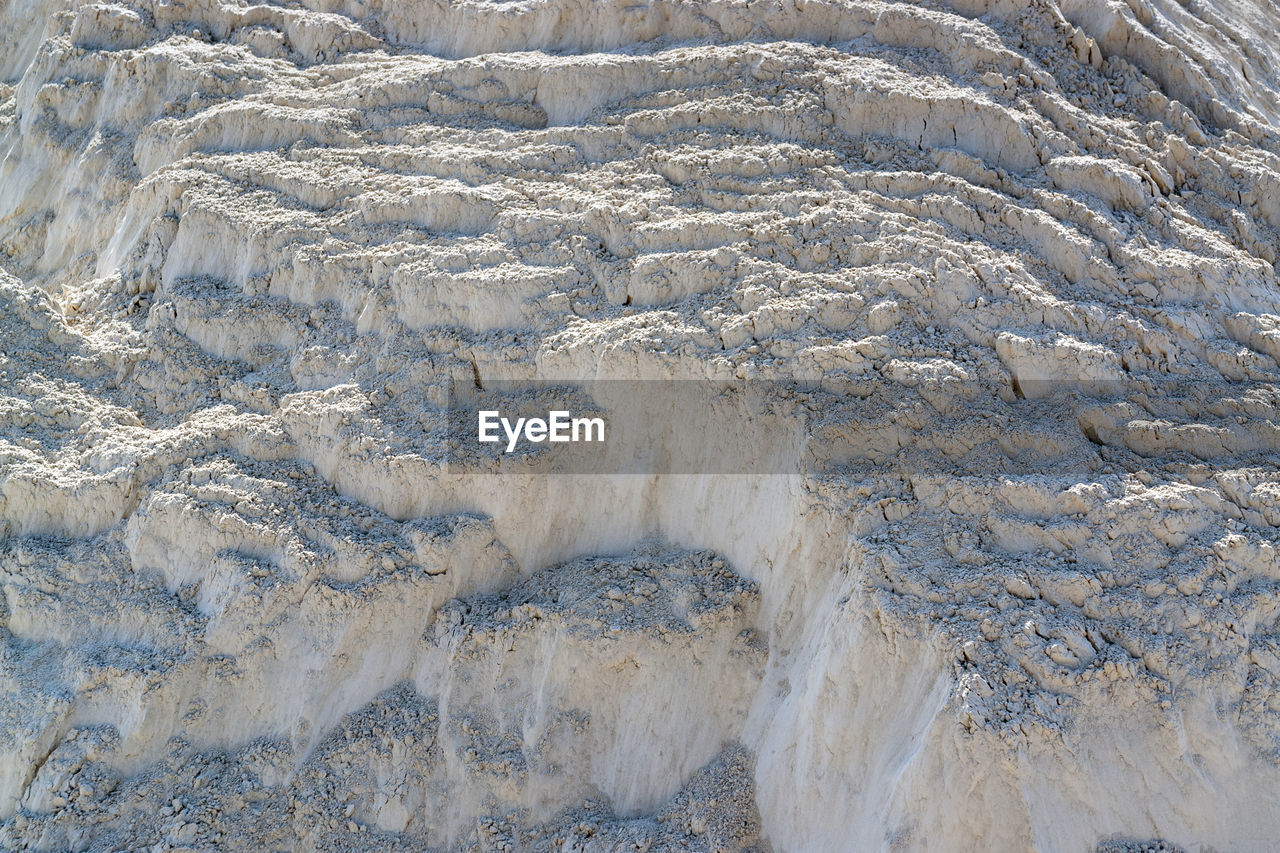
1019,590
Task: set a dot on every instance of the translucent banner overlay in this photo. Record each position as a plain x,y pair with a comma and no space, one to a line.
769,427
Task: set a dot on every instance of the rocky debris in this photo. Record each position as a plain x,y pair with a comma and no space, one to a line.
1152,846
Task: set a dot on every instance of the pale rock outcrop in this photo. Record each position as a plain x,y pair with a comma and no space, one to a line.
1009,581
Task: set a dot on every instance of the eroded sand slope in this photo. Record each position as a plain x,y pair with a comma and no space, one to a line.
1022,591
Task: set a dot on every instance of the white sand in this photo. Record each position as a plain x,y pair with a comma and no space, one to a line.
1021,592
